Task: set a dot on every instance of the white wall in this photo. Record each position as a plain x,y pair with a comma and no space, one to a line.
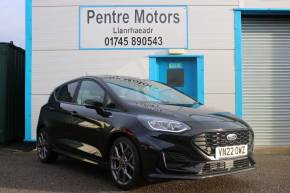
132,2
265,3
56,57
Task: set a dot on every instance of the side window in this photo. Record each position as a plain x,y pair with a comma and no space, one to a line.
66,92
90,90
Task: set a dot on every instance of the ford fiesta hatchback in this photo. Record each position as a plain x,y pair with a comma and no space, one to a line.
141,129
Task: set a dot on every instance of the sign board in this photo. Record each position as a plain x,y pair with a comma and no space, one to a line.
133,27
175,65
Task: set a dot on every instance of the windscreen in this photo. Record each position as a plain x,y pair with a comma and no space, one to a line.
131,89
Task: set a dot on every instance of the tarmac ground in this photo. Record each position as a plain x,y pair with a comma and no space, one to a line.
21,172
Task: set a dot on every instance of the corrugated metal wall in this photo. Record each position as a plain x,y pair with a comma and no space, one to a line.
266,77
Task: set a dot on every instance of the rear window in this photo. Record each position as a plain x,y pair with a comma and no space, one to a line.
66,92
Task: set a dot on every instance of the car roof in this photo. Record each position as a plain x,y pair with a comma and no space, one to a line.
117,77
102,77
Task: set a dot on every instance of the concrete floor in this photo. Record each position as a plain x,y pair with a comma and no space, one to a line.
21,172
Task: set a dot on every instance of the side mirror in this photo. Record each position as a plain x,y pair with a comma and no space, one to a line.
93,104
98,106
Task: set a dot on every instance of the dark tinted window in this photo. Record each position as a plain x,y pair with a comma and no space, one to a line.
90,90
66,92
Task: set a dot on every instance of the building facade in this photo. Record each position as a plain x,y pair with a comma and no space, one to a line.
232,55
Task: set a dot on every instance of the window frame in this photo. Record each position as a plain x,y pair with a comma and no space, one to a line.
65,84
99,83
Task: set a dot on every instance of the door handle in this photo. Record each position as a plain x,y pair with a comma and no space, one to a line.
73,113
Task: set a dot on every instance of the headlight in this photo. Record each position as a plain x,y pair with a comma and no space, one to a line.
161,124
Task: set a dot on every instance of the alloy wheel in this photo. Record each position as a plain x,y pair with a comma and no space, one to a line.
42,145
122,163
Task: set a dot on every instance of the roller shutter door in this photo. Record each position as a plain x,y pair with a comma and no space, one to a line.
266,77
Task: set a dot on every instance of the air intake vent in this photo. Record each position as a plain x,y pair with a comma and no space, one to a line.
217,167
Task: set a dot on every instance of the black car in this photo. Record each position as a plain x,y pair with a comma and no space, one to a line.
141,129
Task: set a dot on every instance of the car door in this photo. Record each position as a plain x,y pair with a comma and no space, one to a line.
88,125
61,114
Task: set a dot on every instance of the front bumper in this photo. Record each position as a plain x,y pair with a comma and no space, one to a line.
176,157
201,170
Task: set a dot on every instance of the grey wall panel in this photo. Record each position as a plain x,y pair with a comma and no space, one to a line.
219,67
37,102
211,27
57,27
221,102
66,65
130,2
265,3
219,71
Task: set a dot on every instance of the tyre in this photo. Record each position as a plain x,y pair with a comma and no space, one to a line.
124,163
44,148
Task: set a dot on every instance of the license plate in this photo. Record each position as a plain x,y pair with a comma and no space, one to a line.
231,151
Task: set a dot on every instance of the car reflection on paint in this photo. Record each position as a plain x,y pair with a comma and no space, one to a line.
141,129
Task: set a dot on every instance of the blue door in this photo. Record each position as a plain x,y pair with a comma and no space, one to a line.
179,73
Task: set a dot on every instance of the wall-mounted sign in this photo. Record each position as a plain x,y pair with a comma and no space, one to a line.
133,27
175,65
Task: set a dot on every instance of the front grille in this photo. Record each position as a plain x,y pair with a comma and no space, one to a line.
208,142
217,167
